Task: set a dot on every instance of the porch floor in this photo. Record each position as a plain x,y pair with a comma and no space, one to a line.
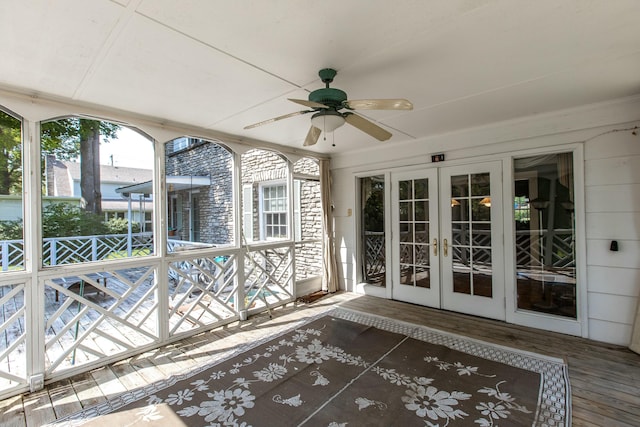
605,379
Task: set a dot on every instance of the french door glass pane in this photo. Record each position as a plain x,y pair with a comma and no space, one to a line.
413,215
471,234
545,234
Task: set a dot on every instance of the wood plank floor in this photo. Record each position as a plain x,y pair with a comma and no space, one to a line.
605,379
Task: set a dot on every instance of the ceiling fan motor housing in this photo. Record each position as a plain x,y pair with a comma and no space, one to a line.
329,96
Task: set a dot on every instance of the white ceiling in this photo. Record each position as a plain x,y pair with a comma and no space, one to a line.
226,64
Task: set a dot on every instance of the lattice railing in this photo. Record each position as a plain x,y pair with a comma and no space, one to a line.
374,253
268,276
201,292
13,337
71,250
533,250
97,315
11,255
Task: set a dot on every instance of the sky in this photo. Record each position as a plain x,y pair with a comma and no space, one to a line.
130,149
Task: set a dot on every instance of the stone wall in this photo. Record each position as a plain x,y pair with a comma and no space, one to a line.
204,158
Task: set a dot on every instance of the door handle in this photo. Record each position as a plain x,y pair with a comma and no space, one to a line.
435,247
445,248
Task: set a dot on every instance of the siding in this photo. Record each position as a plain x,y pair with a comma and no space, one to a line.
612,198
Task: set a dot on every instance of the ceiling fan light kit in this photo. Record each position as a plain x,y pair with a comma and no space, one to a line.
327,120
326,104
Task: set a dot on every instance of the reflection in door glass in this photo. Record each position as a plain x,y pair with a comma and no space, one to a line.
373,239
413,216
545,234
471,234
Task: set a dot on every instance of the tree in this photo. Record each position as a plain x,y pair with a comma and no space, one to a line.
11,155
68,138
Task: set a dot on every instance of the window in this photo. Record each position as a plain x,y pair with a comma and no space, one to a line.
545,234
372,192
200,197
274,211
94,169
11,221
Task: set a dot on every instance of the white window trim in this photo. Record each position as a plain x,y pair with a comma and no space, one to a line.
261,213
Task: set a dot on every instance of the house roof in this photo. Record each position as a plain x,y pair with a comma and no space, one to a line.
223,65
112,174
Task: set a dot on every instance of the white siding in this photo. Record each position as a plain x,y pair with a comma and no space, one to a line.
612,196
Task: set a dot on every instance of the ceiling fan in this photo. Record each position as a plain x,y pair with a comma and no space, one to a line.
326,104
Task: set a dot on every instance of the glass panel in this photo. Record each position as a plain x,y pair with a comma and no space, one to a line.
406,232
373,263
460,186
422,255
421,232
480,185
480,211
406,253
97,190
422,277
461,270
482,285
406,211
460,233
406,274
545,234
460,210
421,189
481,234
405,190
11,221
421,210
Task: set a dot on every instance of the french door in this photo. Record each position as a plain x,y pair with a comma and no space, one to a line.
447,246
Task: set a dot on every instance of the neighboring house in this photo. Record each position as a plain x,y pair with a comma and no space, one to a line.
63,180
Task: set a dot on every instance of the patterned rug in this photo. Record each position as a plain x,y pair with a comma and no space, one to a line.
346,368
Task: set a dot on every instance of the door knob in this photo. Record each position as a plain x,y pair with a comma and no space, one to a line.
435,247
445,248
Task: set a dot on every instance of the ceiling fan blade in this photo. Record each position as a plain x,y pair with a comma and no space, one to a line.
378,104
312,136
275,119
367,127
309,104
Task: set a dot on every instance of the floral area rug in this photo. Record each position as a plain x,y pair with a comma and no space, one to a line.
346,368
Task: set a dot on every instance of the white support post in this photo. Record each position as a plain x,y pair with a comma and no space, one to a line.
34,290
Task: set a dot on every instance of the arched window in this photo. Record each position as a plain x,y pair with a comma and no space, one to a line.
199,179
97,192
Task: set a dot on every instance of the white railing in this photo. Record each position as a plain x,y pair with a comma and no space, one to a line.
71,250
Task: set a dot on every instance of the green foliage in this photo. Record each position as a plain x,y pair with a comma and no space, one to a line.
11,230
68,220
121,226
63,137
373,212
64,219
10,154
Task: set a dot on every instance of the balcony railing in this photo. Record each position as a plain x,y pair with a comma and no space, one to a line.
71,250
